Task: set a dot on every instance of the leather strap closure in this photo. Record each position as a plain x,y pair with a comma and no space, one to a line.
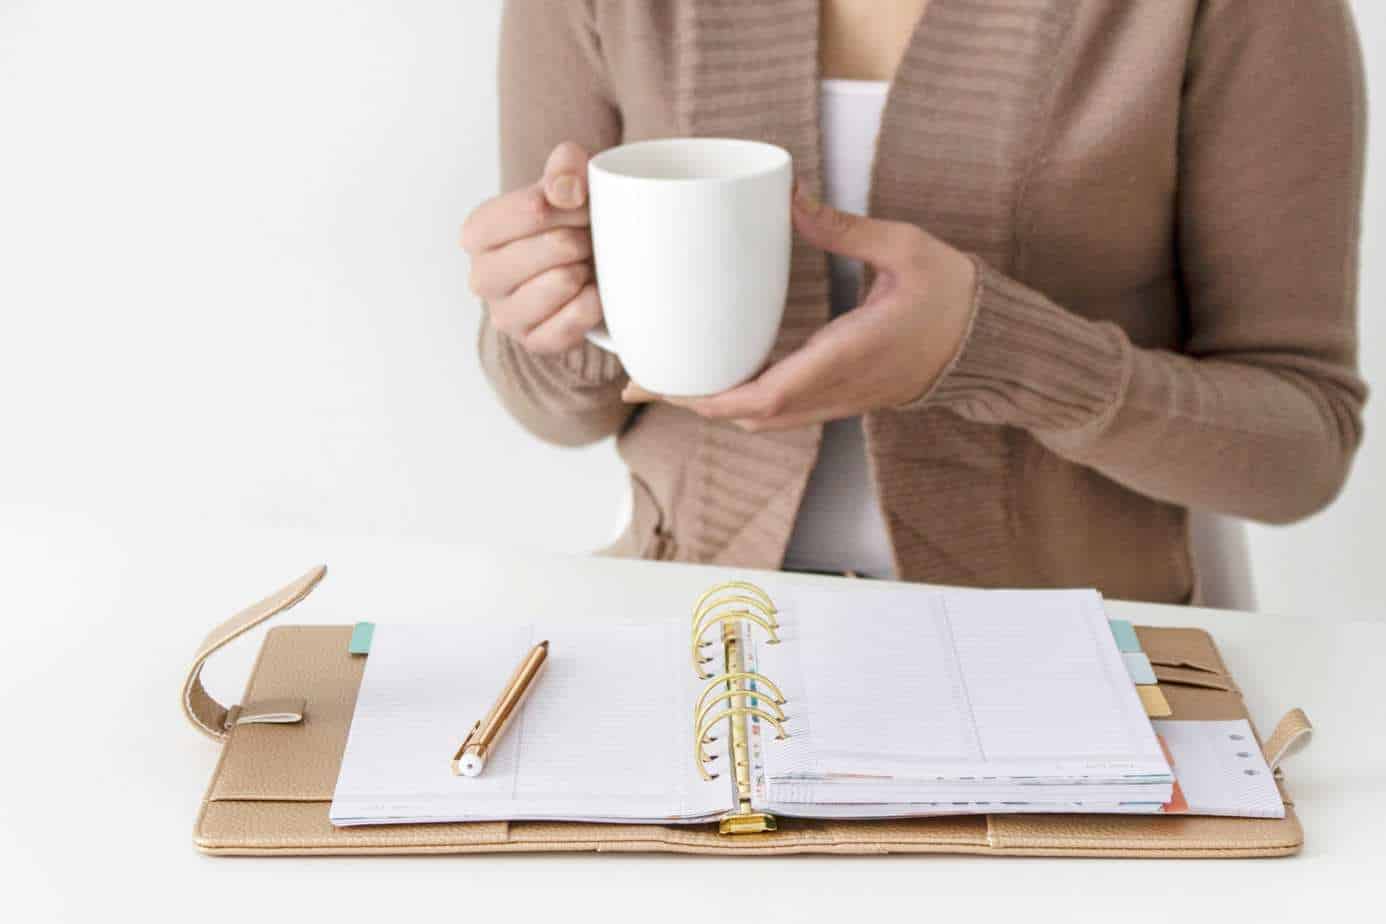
1291,735
211,717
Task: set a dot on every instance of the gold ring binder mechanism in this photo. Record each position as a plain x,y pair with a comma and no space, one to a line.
735,696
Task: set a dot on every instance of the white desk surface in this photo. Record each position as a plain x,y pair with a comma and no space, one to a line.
101,775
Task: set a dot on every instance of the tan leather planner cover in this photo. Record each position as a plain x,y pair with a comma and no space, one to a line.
281,749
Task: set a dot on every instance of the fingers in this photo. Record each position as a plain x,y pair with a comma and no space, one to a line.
804,418
565,176
634,394
829,377
756,398
751,398
889,244
539,299
797,381
765,410
531,257
557,200
569,326
498,272
514,215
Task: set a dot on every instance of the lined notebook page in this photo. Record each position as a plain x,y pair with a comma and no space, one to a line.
905,684
604,735
1044,678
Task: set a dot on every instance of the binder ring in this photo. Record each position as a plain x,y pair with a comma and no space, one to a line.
726,605
741,675
701,759
733,694
747,586
732,616
704,611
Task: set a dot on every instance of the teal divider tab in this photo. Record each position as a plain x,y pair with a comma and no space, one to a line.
361,635
1125,635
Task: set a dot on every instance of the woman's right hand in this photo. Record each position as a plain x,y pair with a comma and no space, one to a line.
531,253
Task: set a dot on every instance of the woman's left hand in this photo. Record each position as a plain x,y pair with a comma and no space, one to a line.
886,352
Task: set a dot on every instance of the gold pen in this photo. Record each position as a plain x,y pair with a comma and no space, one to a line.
470,758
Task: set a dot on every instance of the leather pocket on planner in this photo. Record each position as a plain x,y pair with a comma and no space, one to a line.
1187,677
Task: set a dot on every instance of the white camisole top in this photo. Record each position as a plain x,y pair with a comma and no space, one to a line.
840,526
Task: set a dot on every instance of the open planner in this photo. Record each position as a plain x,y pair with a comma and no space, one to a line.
857,701
791,714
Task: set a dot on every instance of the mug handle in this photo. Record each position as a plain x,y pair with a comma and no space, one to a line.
600,336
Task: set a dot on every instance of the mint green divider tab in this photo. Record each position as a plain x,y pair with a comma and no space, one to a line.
1139,667
1125,635
361,635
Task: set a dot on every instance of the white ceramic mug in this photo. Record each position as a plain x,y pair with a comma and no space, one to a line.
691,239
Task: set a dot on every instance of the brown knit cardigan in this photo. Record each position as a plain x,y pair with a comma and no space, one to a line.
1165,196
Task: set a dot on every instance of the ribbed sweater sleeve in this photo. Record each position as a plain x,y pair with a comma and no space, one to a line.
1260,416
552,89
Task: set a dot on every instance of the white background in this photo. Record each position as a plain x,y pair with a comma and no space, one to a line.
231,294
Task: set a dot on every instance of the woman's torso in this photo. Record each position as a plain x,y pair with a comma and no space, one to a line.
1043,137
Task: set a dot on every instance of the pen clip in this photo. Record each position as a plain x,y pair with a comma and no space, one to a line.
467,742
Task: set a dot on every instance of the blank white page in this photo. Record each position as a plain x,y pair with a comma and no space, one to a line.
604,735
902,683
